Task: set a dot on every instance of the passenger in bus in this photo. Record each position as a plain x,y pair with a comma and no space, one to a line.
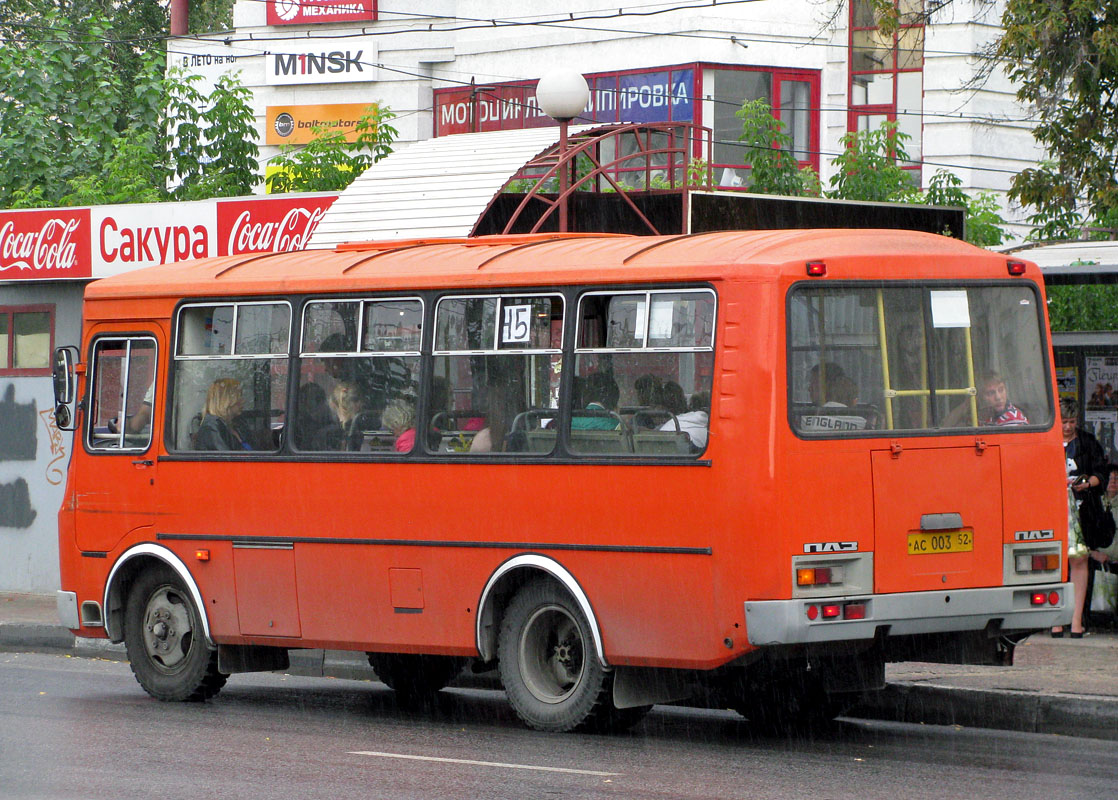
997,410
695,422
601,394
224,403
502,410
345,403
399,417
312,414
821,382
841,393
648,415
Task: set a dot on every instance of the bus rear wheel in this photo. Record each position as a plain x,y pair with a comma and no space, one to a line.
166,646
549,667
415,678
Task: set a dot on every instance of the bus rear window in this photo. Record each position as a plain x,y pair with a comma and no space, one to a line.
916,358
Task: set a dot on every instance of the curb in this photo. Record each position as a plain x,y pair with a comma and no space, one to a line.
1085,716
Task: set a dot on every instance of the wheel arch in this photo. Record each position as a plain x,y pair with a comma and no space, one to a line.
131,563
503,584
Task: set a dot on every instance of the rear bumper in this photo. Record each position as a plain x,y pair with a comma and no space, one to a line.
1009,608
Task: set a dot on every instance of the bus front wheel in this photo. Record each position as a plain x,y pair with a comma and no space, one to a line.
164,639
549,667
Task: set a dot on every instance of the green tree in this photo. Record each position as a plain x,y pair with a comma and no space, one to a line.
1063,54
772,167
329,163
65,100
868,168
211,140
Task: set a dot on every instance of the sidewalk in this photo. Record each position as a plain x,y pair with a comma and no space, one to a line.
1064,686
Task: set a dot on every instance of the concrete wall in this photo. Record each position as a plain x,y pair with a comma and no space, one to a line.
33,452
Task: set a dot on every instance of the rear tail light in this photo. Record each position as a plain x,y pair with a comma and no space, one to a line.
818,576
831,611
1039,598
1026,563
1053,598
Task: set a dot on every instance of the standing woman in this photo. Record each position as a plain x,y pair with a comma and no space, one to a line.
1086,471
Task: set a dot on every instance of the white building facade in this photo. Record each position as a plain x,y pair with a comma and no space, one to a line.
452,66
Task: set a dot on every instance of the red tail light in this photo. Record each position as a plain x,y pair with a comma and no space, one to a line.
1039,598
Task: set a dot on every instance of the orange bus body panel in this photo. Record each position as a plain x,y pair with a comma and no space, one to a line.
430,532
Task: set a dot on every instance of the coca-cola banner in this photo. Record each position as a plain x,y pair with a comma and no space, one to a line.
281,224
44,244
100,241
303,12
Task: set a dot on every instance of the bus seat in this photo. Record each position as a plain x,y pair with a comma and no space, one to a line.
596,441
541,440
662,443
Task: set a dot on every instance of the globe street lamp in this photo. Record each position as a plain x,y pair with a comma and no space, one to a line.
562,95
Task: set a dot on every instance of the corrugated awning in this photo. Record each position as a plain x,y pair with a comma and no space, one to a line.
436,188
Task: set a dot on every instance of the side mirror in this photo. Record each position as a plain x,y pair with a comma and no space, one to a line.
62,375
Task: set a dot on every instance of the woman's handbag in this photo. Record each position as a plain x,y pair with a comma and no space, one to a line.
1096,523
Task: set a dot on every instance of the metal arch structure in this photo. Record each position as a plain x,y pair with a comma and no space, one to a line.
669,161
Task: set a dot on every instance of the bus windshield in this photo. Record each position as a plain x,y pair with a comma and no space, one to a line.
916,358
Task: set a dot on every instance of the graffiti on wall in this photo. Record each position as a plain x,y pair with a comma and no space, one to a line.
17,434
15,505
18,442
56,469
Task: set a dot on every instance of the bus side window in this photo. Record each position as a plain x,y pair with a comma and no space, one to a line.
644,363
358,376
242,344
497,366
122,394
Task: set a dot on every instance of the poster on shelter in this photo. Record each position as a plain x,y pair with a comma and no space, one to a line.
1101,414
1067,382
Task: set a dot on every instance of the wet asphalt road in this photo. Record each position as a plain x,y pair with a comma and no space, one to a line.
83,728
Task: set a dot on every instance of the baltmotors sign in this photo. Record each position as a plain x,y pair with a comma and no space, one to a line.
96,242
39,245
304,12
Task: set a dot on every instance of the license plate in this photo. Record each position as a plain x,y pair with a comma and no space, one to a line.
921,544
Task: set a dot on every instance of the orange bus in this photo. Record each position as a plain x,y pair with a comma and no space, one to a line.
747,468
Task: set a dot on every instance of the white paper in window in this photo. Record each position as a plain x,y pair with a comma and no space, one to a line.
639,323
660,326
516,326
950,309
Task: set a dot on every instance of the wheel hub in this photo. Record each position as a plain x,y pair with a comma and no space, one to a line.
551,654
168,629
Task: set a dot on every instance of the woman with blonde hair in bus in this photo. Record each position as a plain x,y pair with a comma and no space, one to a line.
399,417
224,402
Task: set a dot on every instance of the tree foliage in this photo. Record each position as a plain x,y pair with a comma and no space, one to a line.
868,169
329,163
1063,54
772,167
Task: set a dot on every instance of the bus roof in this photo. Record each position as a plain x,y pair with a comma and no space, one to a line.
549,259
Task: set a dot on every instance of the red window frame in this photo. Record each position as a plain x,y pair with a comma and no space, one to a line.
779,75
889,109
10,312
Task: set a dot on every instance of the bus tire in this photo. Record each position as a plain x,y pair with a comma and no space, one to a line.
415,678
163,636
548,665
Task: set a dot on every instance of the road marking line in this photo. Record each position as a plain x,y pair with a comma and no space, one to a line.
483,763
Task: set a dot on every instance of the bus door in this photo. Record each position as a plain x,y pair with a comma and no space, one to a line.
937,517
117,494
